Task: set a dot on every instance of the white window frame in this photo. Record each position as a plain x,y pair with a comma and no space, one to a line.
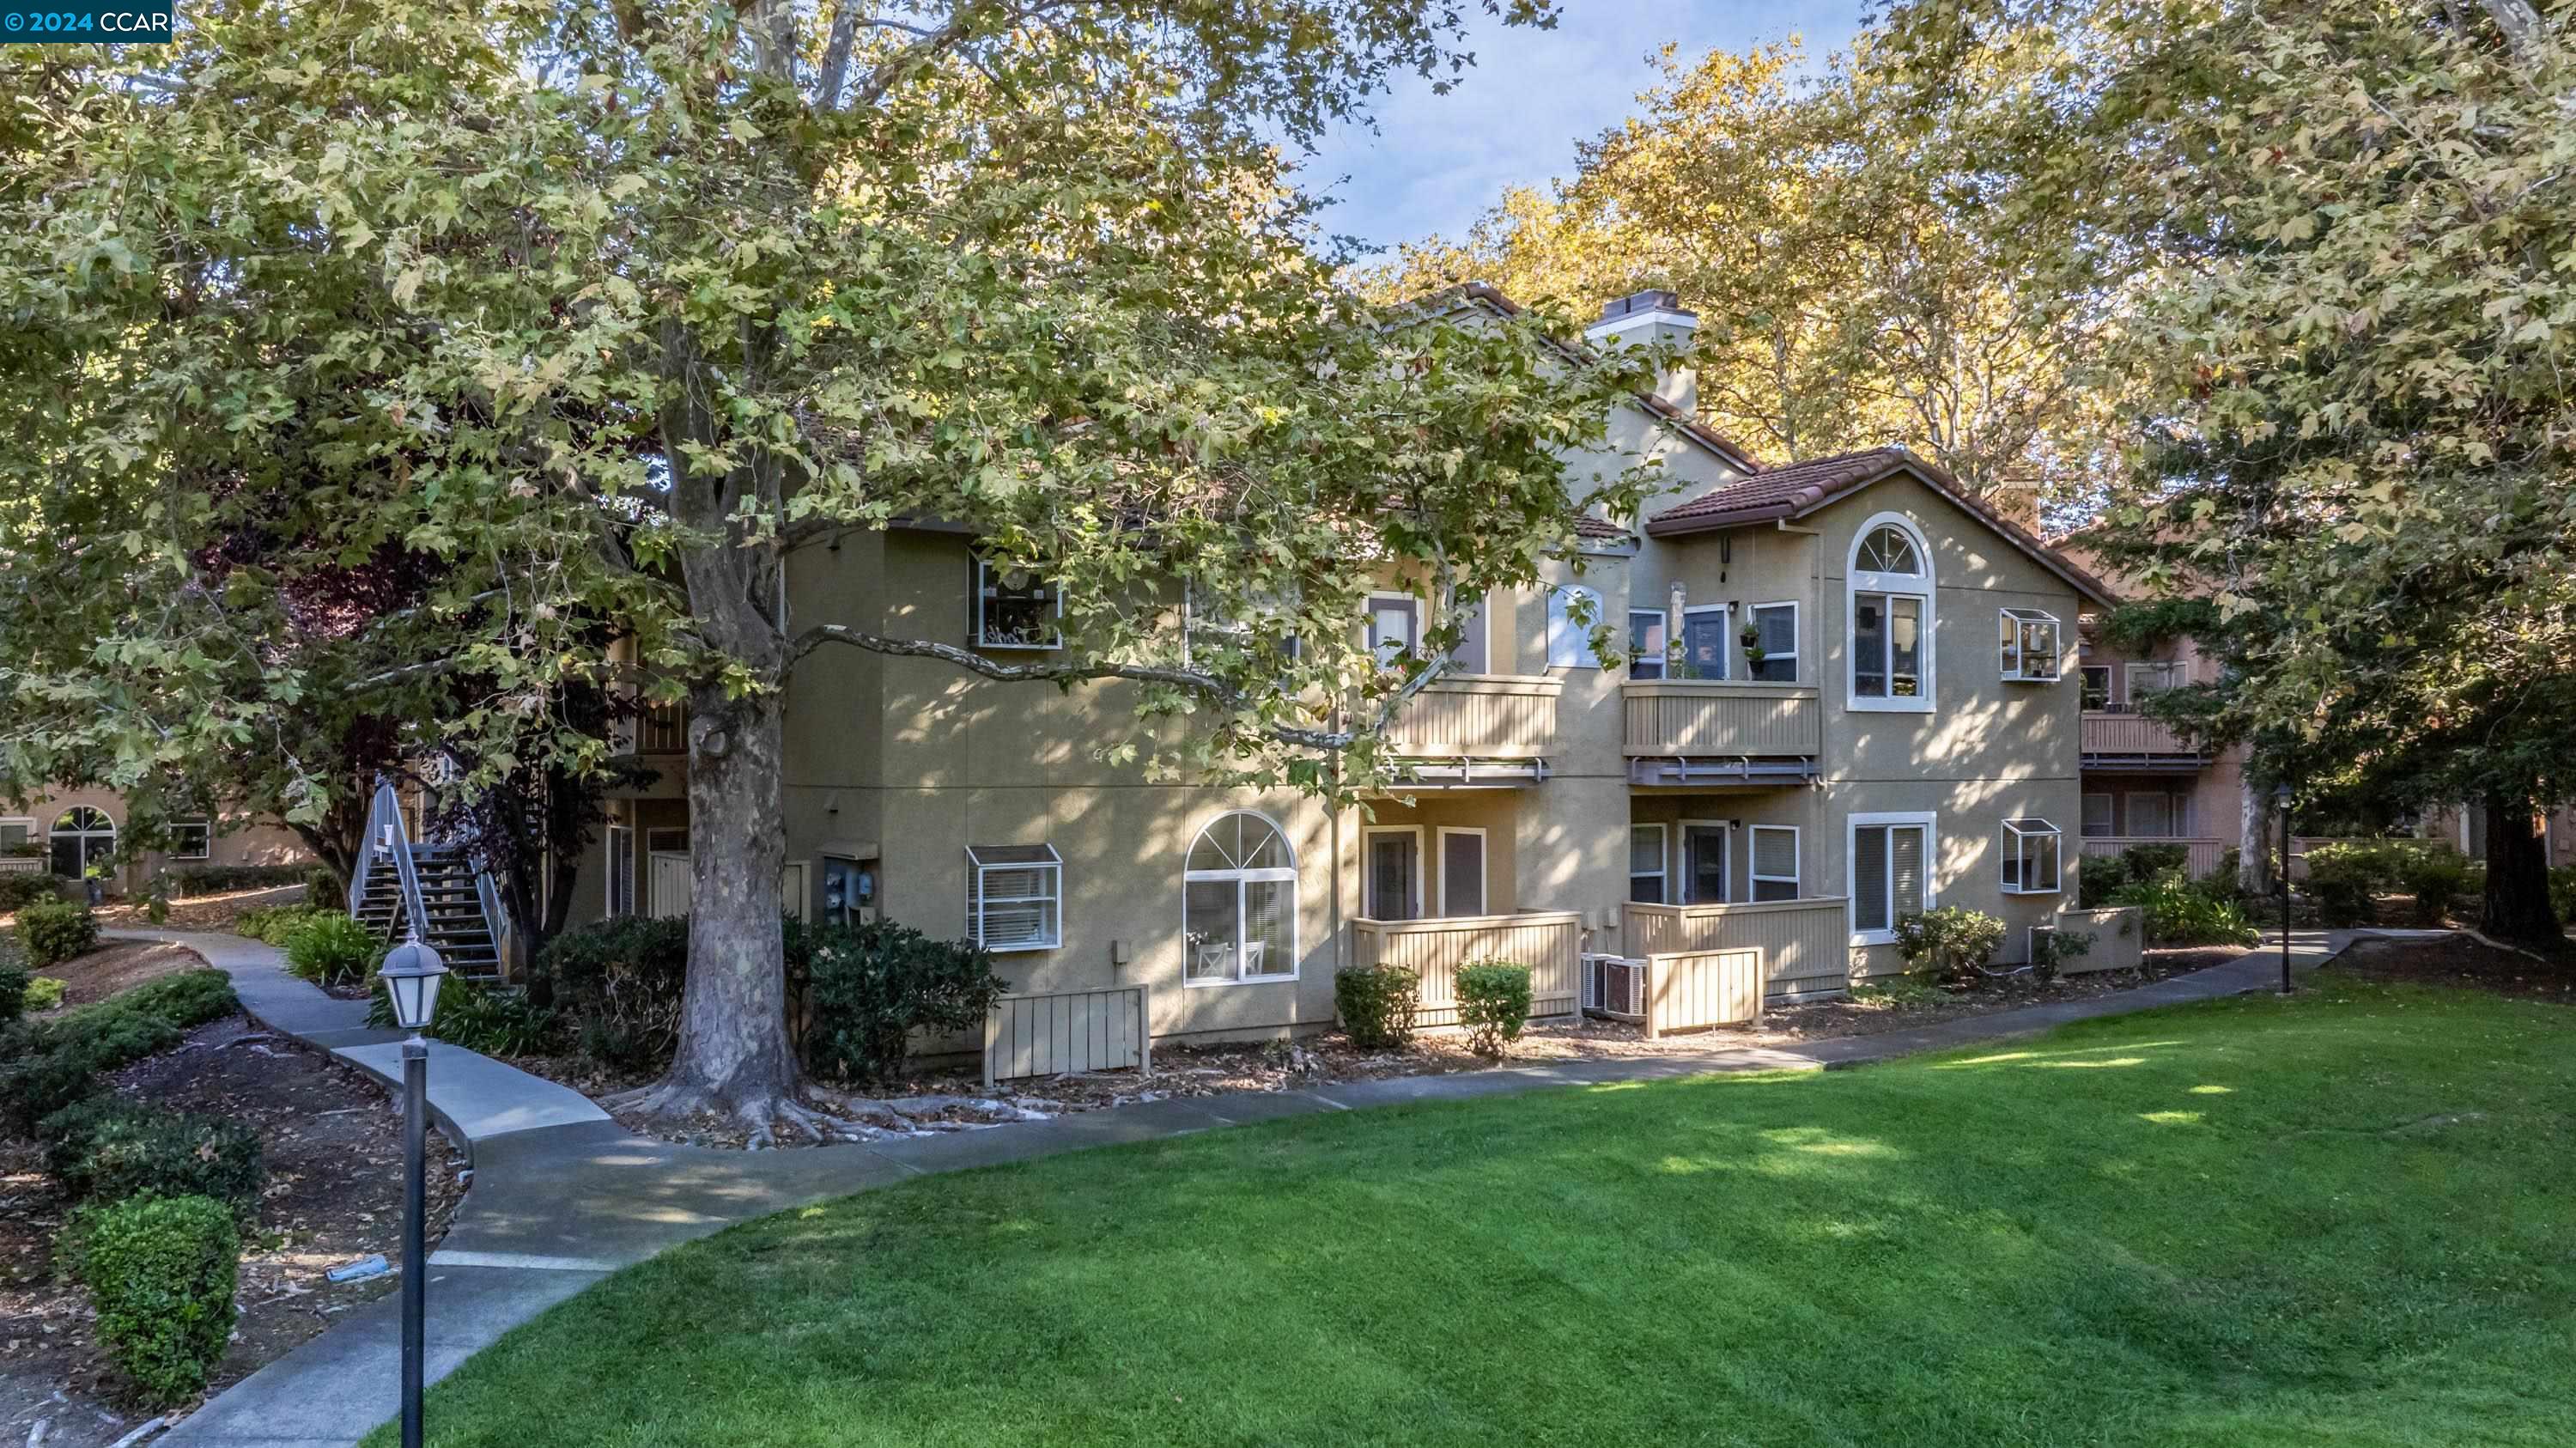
1567,646
1484,867
1753,615
1664,848
204,823
1368,629
1753,862
2082,672
35,829
1852,826
983,635
2018,833
1725,639
2012,659
2170,670
1242,917
1923,587
1679,864
1421,866
978,902
2110,817
1662,662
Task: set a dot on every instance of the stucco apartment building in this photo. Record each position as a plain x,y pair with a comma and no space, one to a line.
1853,697
66,832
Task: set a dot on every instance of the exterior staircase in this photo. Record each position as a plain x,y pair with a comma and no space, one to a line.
460,913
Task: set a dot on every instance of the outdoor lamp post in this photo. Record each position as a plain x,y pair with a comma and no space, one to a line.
412,971
2281,797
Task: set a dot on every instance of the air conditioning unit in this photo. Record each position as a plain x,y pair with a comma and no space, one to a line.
1614,987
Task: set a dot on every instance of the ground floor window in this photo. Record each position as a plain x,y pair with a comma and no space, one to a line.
82,839
1015,897
1775,862
621,871
1239,903
192,839
2097,816
2030,857
1648,872
1391,883
1891,857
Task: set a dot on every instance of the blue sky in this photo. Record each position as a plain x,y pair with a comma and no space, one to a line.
1436,161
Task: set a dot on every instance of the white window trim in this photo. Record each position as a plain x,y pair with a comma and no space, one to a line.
1753,861
1368,625
1421,865
1797,639
1484,865
206,824
2167,669
1852,826
1664,660
1681,862
35,827
984,640
1924,586
1627,844
2020,617
2110,816
1240,878
1586,657
1053,869
2015,853
1725,640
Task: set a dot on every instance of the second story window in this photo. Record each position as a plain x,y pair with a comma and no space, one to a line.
1573,611
1888,605
1394,627
1647,648
2027,645
1774,628
2146,680
1704,644
1015,609
2097,686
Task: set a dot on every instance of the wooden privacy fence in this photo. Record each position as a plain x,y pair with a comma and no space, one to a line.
1549,942
1075,1030
2119,938
1694,990
1804,945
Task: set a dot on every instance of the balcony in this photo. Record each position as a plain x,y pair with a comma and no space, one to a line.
1483,729
1549,942
2135,742
1717,732
2201,853
659,729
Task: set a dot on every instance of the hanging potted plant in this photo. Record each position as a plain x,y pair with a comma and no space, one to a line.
1751,638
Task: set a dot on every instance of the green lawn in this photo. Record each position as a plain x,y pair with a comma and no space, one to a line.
2350,1219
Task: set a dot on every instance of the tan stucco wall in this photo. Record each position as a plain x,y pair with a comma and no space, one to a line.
237,839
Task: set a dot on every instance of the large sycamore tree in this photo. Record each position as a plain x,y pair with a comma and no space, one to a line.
609,311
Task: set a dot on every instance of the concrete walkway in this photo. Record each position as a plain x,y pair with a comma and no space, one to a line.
562,1195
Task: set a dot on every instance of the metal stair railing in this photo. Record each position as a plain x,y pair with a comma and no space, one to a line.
387,829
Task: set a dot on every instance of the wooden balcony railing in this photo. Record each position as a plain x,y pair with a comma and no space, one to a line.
1484,716
1549,942
2133,736
1702,717
2202,852
1805,944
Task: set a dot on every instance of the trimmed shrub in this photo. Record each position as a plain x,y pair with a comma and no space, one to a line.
276,923
57,1062
868,990
2096,876
2145,862
108,1150
1952,943
17,892
217,879
1377,1004
2344,878
618,982
332,949
44,993
324,888
161,1272
14,986
56,931
1493,1004
479,1018
2180,913
2050,949
2433,873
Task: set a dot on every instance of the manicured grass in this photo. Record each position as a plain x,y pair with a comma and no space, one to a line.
2349,1219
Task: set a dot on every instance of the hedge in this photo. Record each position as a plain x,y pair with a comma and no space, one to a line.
161,1273
49,1064
56,931
107,1150
216,879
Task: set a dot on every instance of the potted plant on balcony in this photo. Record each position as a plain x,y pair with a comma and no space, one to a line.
1751,638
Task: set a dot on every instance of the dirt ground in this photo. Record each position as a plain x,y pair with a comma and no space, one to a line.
2458,960
200,912
333,1147
943,1100
117,966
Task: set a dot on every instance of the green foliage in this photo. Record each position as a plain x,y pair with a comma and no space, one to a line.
106,1150
1952,943
323,887
2096,877
50,1064
160,1271
2146,626
2344,877
18,891
2562,892
276,924
618,983
2050,949
15,986
1377,1005
480,1018
56,931
2178,911
1493,1004
868,990
2434,872
45,992
1896,990
332,949
221,879
2145,862
156,907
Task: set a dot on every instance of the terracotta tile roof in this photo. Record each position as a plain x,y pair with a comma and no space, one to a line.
1590,527
1798,489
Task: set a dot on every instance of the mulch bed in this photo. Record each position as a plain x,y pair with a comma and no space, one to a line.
333,1146
199,912
2457,960
119,965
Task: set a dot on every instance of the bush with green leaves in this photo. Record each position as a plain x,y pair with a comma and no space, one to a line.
1493,1004
15,986
220,879
323,887
2344,877
2145,862
2433,871
106,1150
276,923
2562,893
867,990
18,891
1377,1005
332,949
2096,876
47,1065
2052,947
480,1018
1950,944
45,992
161,1273
617,983
2179,912
56,930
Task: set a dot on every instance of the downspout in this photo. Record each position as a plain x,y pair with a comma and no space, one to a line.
1816,784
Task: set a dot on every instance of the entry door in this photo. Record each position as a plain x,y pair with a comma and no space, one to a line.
1394,876
1704,863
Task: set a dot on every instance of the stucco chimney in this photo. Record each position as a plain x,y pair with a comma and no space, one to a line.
1648,317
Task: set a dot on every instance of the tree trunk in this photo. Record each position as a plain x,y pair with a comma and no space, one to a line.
2517,898
2253,838
734,1056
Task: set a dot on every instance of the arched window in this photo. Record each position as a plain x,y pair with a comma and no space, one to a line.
1239,903
1887,613
82,837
